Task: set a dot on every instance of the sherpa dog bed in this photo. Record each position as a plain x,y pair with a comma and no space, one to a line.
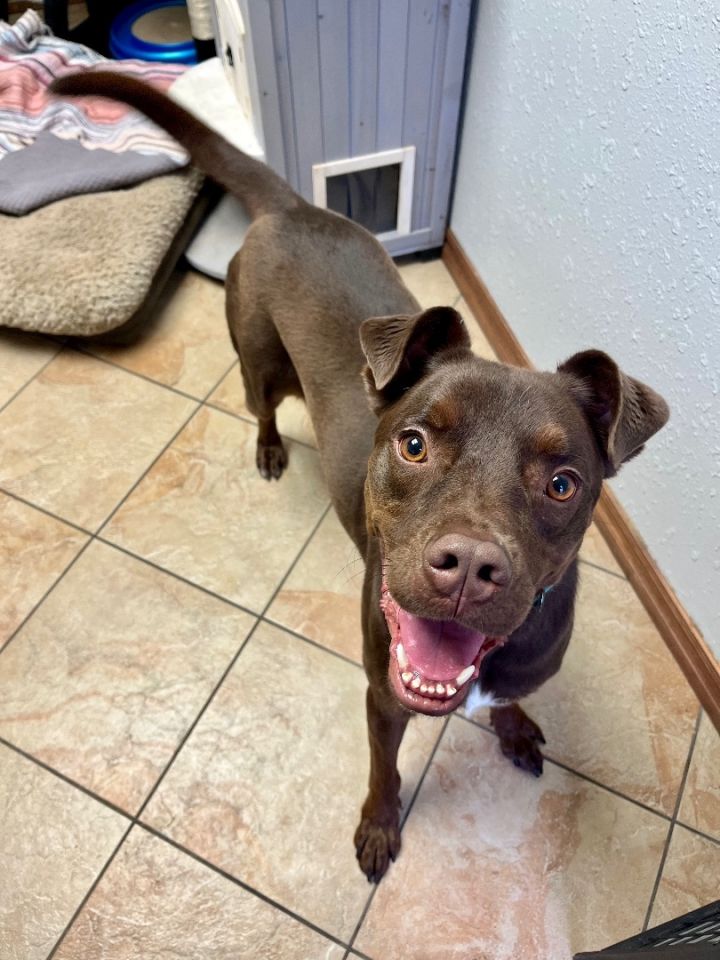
94,263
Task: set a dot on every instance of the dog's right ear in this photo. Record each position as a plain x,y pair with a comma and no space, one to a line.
399,350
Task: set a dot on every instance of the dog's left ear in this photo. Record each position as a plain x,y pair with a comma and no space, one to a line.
622,412
400,349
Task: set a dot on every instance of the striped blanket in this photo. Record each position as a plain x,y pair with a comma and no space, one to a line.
53,148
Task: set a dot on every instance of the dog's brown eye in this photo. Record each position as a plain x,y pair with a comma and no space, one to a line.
412,448
562,487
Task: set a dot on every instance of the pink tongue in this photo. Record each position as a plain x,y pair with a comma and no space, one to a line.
439,649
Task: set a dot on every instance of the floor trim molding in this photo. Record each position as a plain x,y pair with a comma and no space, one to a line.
680,634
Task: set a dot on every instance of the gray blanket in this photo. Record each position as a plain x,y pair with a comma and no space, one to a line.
50,169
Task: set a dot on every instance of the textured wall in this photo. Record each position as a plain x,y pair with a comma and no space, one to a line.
588,197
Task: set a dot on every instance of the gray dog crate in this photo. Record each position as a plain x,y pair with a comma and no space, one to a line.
355,103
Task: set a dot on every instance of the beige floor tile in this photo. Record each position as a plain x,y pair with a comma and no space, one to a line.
690,878
597,552
502,867
155,902
34,551
700,806
321,597
109,673
478,340
269,785
293,419
429,282
205,513
619,710
21,356
55,840
82,433
187,346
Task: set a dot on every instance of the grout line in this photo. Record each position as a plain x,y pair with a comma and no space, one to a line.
658,877
236,605
354,952
612,573
430,759
189,731
242,884
313,643
66,779
253,422
217,383
295,562
37,373
85,352
48,513
227,670
176,576
198,405
403,821
90,892
133,488
698,832
668,839
486,728
47,593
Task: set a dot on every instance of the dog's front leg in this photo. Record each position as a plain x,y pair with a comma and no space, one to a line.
377,838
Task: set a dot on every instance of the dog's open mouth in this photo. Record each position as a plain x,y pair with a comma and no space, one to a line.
432,662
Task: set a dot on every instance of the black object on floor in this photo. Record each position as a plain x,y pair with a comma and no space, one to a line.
696,936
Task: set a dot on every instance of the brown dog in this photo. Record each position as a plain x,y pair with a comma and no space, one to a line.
466,485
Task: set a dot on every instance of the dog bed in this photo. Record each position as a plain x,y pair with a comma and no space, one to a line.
94,263
90,262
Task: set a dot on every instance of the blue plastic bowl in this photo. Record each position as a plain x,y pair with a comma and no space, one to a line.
124,45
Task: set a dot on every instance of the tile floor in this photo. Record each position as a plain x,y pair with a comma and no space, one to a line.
159,797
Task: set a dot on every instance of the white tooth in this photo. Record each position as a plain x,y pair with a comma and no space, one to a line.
431,688
416,683
423,688
450,690
407,677
439,688
465,675
401,656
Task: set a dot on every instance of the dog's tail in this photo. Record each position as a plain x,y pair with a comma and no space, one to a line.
258,188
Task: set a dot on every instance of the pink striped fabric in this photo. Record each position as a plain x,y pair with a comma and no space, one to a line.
31,58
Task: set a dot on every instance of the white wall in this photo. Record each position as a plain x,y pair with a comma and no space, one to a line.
588,198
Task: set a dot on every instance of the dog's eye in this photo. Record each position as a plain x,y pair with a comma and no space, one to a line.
412,448
562,487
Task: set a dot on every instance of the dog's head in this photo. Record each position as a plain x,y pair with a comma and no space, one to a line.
480,487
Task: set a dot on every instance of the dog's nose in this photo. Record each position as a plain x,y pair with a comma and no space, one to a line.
478,568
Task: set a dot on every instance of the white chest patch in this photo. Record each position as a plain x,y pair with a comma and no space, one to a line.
479,698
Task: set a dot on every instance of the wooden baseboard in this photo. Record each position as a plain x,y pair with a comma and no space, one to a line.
675,626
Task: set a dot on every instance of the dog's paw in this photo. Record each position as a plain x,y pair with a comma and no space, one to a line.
525,752
271,460
376,844
519,738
